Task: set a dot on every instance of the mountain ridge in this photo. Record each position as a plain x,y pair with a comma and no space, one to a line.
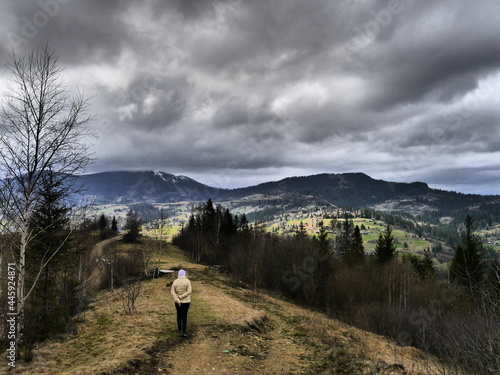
354,189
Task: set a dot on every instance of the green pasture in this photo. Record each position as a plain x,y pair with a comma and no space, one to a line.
370,234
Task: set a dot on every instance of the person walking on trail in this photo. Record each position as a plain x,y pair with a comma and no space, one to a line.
181,291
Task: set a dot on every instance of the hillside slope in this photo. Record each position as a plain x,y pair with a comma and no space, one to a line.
231,331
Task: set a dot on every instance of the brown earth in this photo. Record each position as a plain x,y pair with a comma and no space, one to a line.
260,334
231,330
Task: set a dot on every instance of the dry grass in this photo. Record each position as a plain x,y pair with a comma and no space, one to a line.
283,336
106,338
364,350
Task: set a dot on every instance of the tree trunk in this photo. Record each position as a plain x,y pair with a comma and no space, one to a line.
21,276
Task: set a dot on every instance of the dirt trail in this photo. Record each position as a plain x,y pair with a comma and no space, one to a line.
230,331
92,281
233,331
238,341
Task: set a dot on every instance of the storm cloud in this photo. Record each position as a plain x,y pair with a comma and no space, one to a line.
234,92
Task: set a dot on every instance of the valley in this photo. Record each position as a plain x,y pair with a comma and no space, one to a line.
424,219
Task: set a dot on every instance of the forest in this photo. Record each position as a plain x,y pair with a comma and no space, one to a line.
400,296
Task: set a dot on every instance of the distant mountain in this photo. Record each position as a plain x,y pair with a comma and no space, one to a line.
356,190
147,186
351,189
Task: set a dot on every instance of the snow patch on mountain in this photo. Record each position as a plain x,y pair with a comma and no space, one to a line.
170,177
160,174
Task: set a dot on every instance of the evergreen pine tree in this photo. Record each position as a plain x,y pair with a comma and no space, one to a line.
324,268
429,271
422,266
356,252
244,223
345,237
385,250
103,224
229,224
208,217
114,225
133,225
53,296
467,265
301,232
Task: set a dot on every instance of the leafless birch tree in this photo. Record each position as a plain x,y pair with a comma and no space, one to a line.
42,130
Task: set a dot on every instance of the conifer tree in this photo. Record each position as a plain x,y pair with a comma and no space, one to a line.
423,266
114,225
429,271
345,237
467,265
103,224
229,224
53,288
324,269
244,223
385,250
356,251
208,217
133,225
301,232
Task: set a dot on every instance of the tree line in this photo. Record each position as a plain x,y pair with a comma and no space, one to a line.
393,294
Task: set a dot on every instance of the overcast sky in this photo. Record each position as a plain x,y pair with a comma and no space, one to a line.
238,92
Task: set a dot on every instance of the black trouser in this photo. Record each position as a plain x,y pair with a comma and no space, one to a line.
182,316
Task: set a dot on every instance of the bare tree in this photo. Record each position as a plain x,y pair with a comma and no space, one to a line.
129,293
43,130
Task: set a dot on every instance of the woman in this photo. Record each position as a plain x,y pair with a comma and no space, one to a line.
181,291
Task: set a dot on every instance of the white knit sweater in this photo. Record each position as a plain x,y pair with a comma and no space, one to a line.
181,290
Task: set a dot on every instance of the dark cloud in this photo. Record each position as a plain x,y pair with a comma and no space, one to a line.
190,10
441,50
81,32
153,102
401,90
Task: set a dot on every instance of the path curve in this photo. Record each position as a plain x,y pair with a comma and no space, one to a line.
92,281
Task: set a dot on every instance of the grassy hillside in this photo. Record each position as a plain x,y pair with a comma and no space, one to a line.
231,330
